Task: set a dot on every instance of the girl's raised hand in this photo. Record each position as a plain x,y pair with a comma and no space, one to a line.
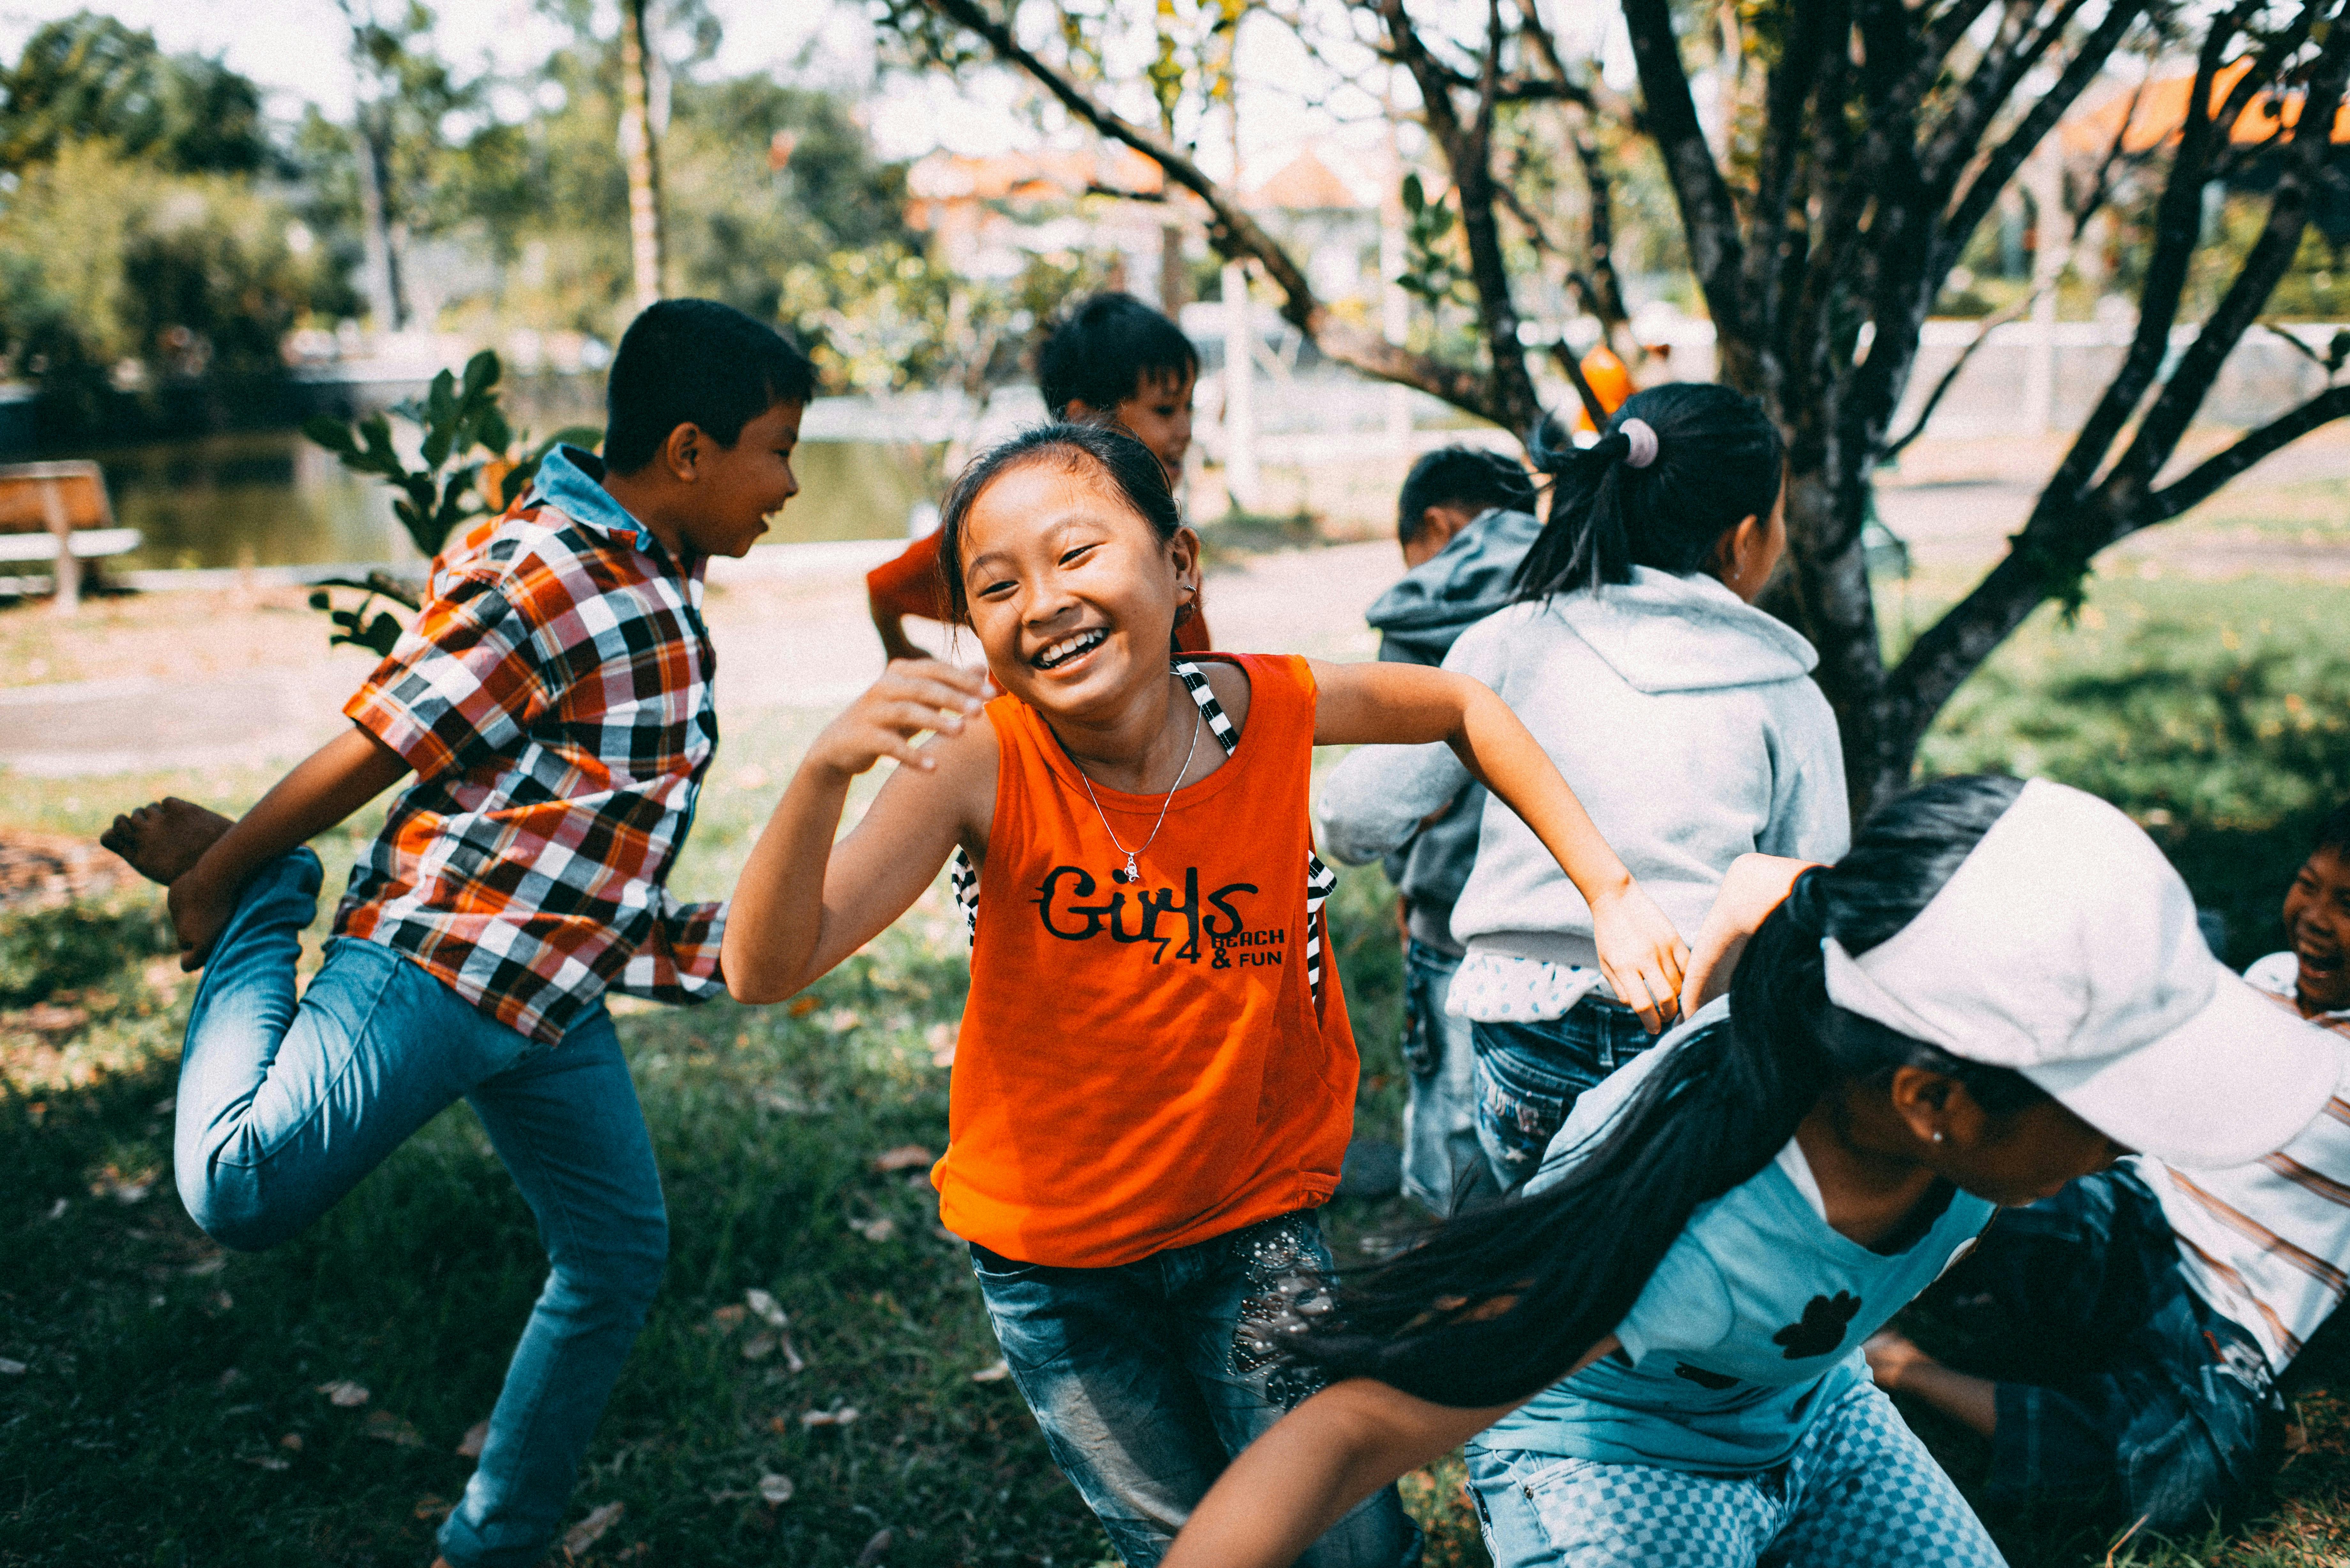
1641,956
912,695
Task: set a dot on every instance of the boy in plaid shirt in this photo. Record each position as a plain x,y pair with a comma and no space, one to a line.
553,701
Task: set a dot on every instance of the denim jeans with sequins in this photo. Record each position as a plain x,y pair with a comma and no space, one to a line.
1145,1385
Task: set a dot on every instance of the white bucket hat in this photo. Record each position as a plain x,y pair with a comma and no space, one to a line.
2065,947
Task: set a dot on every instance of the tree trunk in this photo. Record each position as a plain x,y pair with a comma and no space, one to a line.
386,298
640,149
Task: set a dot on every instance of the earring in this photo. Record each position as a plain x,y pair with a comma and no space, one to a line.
1938,1135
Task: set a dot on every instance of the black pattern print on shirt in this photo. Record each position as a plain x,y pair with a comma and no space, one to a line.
1822,1328
1702,1378
963,876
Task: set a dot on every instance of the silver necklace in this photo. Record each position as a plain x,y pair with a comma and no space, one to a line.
1131,874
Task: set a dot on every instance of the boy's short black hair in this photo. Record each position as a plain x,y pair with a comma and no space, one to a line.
1463,476
1104,349
2334,833
697,362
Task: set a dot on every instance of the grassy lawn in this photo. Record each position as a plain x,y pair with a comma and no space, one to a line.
170,1407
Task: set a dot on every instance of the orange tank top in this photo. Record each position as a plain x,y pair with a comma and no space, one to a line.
1143,1066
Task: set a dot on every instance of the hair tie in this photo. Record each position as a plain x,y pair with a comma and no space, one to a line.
1640,442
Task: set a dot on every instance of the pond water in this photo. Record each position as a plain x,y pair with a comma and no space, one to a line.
269,498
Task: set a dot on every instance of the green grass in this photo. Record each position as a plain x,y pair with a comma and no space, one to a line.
127,1440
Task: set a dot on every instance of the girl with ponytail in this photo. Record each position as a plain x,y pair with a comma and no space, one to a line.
1657,1348
1685,718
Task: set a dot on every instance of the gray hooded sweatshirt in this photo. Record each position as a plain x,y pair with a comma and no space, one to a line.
1418,620
1685,720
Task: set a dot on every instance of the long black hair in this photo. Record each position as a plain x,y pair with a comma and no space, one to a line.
1498,1304
1719,461
1129,464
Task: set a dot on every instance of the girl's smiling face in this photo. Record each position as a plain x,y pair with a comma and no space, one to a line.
1072,592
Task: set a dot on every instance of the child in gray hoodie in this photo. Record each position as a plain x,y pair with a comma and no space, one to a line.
1464,519
1684,718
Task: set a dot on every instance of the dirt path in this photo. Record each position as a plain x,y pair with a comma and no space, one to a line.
244,678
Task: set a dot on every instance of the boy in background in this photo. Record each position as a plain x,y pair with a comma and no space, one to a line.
2132,1328
1114,358
553,700
1464,519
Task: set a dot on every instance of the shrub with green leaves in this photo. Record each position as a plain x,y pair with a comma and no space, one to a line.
466,467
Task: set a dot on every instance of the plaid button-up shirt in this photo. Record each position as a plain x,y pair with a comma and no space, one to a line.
554,698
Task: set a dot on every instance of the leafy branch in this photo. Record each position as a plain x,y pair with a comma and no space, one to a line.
459,417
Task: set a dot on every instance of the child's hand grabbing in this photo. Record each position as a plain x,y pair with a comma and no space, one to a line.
200,912
1640,954
1753,886
912,695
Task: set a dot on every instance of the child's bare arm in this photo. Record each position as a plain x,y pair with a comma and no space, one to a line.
803,903
1640,954
323,788
1318,1462
1753,886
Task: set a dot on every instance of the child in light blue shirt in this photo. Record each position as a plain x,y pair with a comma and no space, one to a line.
2000,988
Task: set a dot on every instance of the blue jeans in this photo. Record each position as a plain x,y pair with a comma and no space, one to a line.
1444,1164
2119,1390
1859,1491
1529,1076
1146,1387
285,1104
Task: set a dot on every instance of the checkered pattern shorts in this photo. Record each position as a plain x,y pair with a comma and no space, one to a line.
1859,1491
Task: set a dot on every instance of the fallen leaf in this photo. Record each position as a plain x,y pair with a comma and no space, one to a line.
291,1442
792,1362
268,1461
589,1530
344,1394
57,1209
843,1417
219,1303
841,1020
477,1438
12,1368
905,1156
775,1491
166,1105
995,1373
770,1311
728,1317
229,1379
878,1548
431,1510
758,1348
802,1006
212,1265
879,1229
387,1428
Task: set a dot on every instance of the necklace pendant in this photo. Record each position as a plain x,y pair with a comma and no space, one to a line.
1129,873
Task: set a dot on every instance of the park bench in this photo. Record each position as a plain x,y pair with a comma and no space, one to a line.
58,514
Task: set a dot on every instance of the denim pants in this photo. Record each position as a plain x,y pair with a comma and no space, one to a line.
1529,1076
2119,1388
1444,1164
1859,1491
285,1104
1146,1387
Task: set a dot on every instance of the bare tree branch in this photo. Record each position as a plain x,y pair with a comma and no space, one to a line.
1709,216
1990,323
1237,234
2200,482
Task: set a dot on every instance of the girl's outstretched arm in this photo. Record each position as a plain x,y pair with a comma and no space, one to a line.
1318,1462
1640,954
803,903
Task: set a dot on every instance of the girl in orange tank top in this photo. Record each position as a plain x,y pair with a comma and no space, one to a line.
1155,1082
